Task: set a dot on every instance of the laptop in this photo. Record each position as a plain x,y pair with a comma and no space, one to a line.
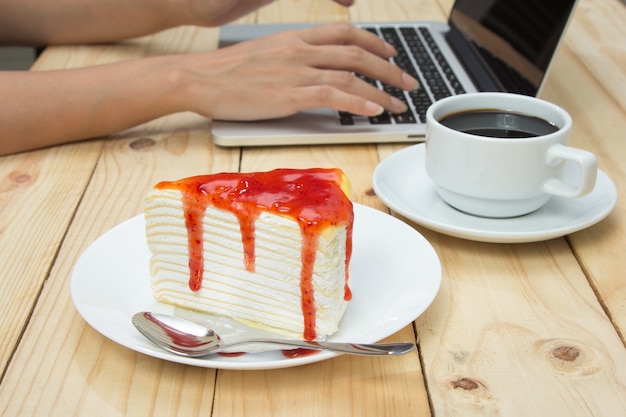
486,45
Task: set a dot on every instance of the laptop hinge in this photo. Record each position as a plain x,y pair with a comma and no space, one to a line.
470,58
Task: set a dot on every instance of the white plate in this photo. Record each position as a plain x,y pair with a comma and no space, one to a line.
394,276
402,184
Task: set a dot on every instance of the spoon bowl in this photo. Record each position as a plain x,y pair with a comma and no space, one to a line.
186,338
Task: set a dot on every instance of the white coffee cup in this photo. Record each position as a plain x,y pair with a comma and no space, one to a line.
502,177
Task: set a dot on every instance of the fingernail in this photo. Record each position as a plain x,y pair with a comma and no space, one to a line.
374,108
390,49
398,105
410,82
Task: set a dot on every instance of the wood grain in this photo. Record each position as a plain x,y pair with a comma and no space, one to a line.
531,329
344,386
591,85
82,372
521,329
77,363
39,192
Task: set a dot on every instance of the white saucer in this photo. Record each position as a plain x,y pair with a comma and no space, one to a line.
401,182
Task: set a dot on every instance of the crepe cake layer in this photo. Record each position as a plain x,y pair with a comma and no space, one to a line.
270,249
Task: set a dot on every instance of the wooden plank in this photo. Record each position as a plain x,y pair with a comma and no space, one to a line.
517,331
487,346
64,367
589,81
298,11
597,36
399,10
344,386
39,192
94,375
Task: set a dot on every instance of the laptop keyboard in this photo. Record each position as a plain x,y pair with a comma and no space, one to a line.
416,49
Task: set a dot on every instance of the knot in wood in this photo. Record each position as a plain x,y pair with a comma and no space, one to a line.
566,353
142,143
466,384
571,357
20,178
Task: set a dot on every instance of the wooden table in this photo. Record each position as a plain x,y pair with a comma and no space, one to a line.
532,329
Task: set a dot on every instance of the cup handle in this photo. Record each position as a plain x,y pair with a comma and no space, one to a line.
587,163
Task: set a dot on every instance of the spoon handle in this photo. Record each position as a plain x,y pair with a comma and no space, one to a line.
186,338
387,349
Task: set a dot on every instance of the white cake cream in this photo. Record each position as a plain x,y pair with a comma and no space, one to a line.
269,249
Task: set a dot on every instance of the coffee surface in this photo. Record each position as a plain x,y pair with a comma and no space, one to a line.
498,124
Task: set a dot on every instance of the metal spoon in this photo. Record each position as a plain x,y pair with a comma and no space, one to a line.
186,338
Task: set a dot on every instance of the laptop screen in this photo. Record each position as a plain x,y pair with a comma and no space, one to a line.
514,39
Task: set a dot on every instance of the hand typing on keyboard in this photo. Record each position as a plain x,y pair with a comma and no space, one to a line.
292,71
264,78
419,56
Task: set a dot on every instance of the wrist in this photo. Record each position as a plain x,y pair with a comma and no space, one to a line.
177,83
195,80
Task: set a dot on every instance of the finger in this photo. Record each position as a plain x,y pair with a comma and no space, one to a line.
355,59
351,84
347,34
348,83
315,97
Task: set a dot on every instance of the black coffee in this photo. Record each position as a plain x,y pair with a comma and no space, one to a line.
498,124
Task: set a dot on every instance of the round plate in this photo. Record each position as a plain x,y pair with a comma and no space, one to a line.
392,284
402,184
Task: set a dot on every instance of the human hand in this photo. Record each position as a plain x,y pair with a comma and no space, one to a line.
219,12
280,75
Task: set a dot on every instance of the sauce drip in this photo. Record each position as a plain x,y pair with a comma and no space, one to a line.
287,353
231,354
299,352
312,197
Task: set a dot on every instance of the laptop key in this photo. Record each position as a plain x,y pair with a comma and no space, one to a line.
443,63
345,118
406,117
421,102
382,119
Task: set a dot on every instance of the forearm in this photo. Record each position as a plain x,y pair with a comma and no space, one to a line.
45,22
265,78
52,107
